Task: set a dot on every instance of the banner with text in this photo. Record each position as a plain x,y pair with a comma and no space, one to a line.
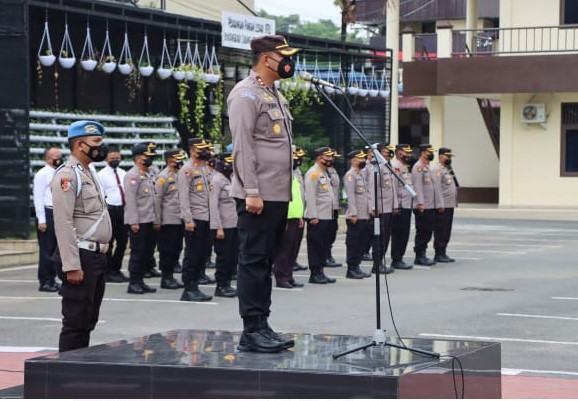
239,29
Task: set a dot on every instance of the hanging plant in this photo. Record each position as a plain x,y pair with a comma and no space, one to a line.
200,104
125,65
39,72
66,57
46,55
87,57
216,133
185,103
165,68
298,94
178,64
133,84
107,62
144,62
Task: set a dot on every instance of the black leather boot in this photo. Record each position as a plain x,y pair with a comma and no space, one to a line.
256,337
168,282
225,290
422,260
443,258
400,264
193,294
354,272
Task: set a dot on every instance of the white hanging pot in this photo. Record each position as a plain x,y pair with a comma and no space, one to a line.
373,92
329,90
164,73
212,78
229,72
66,62
48,60
352,90
88,65
362,92
243,73
125,68
179,75
189,75
400,87
146,71
384,92
214,109
66,56
109,67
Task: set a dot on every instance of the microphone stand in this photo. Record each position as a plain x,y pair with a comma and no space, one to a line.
379,338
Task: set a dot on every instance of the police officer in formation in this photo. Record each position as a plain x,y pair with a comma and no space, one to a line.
359,210
367,171
428,203
387,205
289,251
193,185
223,224
401,222
335,184
168,218
444,173
139,215
319,200
83,230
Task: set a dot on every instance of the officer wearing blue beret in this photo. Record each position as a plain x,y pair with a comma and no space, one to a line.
83,231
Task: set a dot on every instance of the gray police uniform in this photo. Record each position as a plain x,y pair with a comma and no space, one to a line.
428,194
401,222
335,183
358,205
444,221
320,201
169,217
83,230
260,124
139,190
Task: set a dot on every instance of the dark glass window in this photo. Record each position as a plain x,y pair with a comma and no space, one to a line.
569,12
569,162
571,165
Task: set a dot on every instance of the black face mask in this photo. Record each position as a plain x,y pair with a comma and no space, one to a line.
204,155
114,163
448,162
362,165
96,153
297,163
179,164
409,159
430,156
57,162
285,67
147,162
328,163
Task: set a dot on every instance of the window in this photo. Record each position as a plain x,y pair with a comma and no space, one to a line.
569,151
569,12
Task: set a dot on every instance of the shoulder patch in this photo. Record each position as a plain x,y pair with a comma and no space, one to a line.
161,181
314,176
133,181
349,177
65,184
419,169
249,95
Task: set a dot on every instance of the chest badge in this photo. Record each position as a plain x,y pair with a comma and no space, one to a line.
277,128
65,184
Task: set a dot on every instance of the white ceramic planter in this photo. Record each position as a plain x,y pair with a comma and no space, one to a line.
164,73
373,92
212,78
88,65
189,76
384,92
329,90
400,87
352,90
243,73
229,72
146,71
125,69
48,60
214,109
67,62
109,67
362,92
178,75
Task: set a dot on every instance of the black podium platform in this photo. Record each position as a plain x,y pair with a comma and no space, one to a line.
206,364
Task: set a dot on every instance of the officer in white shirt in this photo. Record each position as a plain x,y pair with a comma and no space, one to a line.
111,177
44,215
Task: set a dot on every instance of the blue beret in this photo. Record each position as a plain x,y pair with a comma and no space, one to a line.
85,128
229,148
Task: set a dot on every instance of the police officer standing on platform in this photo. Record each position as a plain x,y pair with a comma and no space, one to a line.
168,218
401,222
319,198
260,124
83,230
193,185
335,183
428,203
387,206
139,215
359,211
443,225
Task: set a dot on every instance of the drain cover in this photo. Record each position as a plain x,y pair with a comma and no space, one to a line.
486,289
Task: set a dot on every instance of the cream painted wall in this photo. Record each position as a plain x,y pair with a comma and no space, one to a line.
464,131
516,13
530,156
209,10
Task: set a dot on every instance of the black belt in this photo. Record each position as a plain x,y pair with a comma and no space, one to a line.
113,207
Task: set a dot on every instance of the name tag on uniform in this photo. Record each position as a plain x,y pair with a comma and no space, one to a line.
324,187
427,180
360,189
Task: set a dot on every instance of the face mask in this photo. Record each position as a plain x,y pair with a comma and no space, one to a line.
430,156
285,67
328,163
147,162
204,155
296,163
57,162
390,153
179,164
114,163
409,159
448,162
96,153
362,165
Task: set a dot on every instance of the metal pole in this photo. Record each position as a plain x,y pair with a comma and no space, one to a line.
392,42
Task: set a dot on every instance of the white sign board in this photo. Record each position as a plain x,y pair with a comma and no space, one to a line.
239,29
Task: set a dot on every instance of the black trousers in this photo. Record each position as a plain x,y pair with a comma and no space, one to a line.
424,226
47,246
354,241
287,255
260,238
333,231
196,244
443,230
382,242
400,227
119,236
170,245
367,241
318,244
142,248
81,303
227,251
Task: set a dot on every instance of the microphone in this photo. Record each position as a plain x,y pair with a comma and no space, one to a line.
317,81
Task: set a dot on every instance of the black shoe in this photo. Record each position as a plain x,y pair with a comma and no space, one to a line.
233,277
206,280
299,266
367,257
400,264
147,288
354,274
330,262
444,259
259,341
209,264
381,269
225,291
114,277
178,268
286,285
389,270
152,273
318,279
135,288
329,280
365,275
423,260
171,284
285,342
195,296
49,287
296,284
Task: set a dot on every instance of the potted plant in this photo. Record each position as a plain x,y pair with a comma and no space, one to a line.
145,68
185,103
88,64
109,64
126,67
229,72
165,68
200,104
87,57
66,57
47,59
179,73
216,109
65,60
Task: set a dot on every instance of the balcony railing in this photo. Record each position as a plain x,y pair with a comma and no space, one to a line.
425,46
522,40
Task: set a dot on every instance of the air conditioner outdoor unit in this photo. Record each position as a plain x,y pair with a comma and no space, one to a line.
533,113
